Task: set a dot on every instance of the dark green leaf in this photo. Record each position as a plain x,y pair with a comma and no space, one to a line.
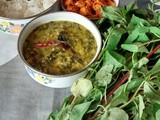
94,105
79,110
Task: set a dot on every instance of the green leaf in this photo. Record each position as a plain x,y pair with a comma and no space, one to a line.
151,93
81,87
133,84
79,110
114,13
104,115
141,62
130,47
141,106
114,38
155,69
113,58
66,101
158,114
64,113
135,47
156,108
142,38
104,75
117,114
155,31
94,105
96,95
120,96
139,30
131,6
136,21
53,115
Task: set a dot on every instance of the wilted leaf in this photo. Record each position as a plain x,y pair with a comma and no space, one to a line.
117,114
81,87
104,75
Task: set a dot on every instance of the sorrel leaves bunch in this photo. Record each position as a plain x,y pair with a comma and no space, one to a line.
124,83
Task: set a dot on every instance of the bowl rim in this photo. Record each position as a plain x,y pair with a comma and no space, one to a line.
30,17
65,75
62,6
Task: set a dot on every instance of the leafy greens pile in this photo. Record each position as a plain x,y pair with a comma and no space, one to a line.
124,83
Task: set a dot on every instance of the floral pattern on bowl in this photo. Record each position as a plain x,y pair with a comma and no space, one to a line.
39,78
10,27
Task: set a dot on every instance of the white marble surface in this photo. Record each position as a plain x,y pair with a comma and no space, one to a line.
21,98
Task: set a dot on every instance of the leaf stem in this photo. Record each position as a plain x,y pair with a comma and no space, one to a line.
153,51
152,41
124,105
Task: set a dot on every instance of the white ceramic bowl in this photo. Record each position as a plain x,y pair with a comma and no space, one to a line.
55,81
14,26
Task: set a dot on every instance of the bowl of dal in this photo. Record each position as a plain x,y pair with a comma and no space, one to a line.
57,48
15,14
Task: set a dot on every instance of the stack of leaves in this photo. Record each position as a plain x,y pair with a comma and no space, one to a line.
124,83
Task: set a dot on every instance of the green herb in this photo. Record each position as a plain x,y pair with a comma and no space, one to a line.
124,83
155,1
